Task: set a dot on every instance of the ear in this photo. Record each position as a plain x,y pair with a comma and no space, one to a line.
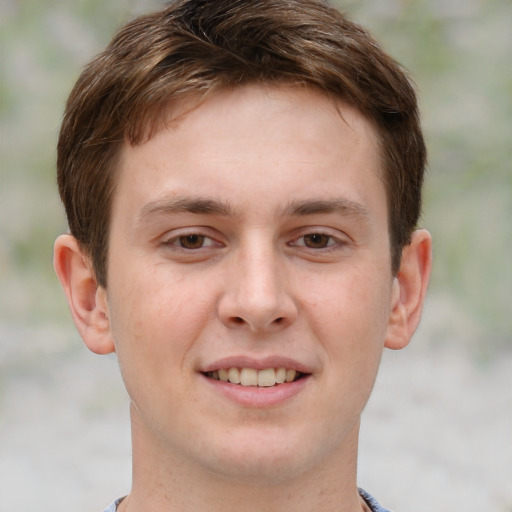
409,289
87,301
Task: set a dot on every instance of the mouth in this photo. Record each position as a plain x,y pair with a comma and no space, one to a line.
267,377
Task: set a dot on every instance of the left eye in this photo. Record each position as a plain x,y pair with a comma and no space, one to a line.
192,241
316,241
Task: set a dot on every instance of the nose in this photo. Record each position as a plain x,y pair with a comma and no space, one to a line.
257,294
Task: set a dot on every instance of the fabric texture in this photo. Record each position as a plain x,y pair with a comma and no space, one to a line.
370,500
113,506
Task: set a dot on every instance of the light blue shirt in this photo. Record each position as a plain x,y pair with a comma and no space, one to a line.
372,502
113,506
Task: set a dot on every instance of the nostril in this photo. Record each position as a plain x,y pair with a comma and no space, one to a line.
239,320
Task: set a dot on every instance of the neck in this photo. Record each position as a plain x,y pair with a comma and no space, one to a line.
167,482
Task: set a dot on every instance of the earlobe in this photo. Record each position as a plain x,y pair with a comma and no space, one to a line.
87,301
409,289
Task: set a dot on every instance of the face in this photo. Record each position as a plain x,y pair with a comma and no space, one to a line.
249,246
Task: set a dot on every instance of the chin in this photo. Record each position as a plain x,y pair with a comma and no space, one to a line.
263,471
265,457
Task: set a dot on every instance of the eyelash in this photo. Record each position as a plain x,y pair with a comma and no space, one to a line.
327,241
310,239
177,242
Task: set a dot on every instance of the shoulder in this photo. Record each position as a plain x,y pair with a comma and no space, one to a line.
372,502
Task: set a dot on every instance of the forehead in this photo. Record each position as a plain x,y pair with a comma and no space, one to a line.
253,138
222,103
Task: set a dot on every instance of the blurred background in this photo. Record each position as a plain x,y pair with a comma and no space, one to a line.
437,433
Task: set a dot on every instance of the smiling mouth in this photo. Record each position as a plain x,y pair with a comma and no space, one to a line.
267,377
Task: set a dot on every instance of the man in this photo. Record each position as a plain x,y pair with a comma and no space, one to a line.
242,181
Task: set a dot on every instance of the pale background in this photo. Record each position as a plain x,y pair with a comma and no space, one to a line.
437,434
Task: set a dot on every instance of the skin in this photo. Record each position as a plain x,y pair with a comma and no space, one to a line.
287,256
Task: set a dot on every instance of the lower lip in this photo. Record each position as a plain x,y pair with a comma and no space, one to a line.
256,396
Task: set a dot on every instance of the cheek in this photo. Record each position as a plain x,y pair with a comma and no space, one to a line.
357,300
154,328
349,317
155,320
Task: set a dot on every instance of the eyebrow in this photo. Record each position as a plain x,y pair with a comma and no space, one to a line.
207,206
182,204
341,206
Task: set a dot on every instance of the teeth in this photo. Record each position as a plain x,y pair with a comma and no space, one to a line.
280,375
290,375
234,375
267,377
249,377
252,377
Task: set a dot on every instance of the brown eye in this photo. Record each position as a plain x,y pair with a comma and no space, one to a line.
191,241
317,240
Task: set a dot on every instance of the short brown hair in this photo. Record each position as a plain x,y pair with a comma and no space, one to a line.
197,47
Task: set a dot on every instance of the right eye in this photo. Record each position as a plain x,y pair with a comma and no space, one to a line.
192,241
317,241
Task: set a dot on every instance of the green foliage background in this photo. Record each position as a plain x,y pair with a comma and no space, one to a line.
458,53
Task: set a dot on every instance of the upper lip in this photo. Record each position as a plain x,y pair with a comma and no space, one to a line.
243,361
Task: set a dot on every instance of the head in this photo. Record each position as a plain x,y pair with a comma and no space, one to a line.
242,181
192,50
